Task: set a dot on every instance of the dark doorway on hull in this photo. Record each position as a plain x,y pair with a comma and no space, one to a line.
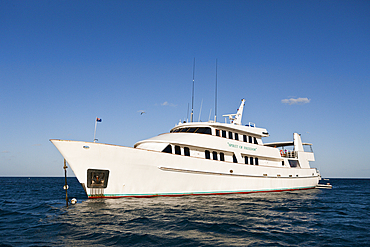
97,178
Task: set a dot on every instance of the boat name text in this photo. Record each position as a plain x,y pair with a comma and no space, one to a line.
241,147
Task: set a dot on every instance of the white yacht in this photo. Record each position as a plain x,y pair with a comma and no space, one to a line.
194,158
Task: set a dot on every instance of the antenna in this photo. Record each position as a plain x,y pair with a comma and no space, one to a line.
187,115
200,112
216,95
192,95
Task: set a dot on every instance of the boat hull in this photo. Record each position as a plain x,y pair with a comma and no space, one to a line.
135,172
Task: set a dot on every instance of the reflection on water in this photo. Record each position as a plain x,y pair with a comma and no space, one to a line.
200,220
33,212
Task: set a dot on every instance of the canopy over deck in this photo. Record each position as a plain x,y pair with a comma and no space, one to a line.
283,144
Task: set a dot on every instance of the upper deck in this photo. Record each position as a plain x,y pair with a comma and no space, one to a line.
249,129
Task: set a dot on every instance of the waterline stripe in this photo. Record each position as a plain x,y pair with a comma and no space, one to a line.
199,193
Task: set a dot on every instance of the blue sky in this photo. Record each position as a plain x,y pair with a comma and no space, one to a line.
64,63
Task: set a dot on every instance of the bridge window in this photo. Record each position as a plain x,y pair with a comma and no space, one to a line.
191,130
217,132
205,130
236,136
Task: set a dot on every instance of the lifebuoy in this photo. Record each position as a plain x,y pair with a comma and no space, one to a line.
281,152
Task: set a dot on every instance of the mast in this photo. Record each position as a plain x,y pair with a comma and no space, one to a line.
216,94
192,95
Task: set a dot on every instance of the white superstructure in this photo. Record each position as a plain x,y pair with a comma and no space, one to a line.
195,158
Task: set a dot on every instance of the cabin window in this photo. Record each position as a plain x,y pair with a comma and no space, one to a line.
282,163
167,149
256,161
245,138
224,133
293,163
186,151
217,132
251,160
236,135
230,135
184,129
214,155
255,140
207,154
250,139
222,157
177,150
234,159
246,160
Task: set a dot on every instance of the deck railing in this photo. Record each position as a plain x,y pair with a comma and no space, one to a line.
289,154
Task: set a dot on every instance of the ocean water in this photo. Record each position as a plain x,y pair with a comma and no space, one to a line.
33,213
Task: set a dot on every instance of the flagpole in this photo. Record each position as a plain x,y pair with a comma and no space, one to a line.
95,127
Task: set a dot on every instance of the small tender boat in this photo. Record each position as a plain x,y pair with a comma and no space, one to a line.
194,158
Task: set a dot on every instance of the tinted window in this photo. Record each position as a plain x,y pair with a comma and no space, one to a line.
251,160
250,139
245,138
234,159
177,150
230,135
255,140
184,129
222,157
214,155
224,133
236,136
246,160
167,149
293,163
256,161
186,151
205,130
207,154
217,132
191,130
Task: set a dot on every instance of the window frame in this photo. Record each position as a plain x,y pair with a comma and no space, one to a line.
177,150
207,154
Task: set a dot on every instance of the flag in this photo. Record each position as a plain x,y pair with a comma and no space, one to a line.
98,119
